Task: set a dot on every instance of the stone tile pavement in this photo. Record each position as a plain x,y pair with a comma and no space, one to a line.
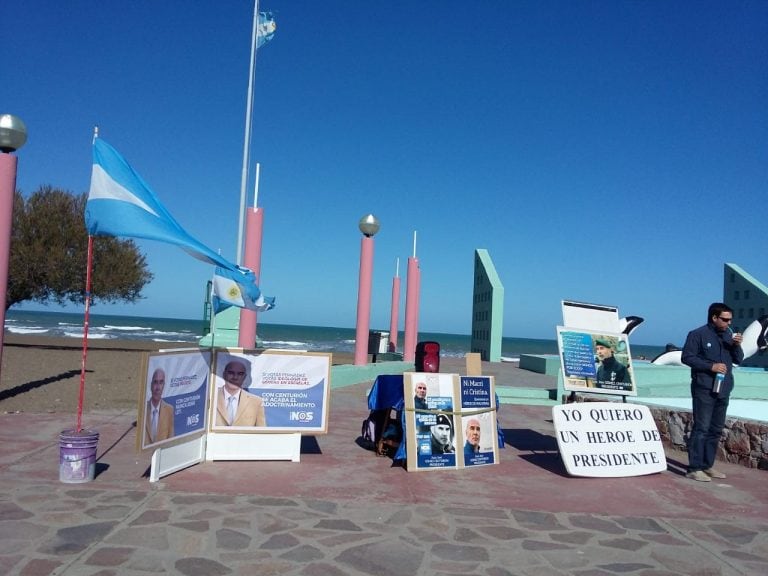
344,511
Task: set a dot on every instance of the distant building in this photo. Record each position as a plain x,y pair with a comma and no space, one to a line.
749,299
487,309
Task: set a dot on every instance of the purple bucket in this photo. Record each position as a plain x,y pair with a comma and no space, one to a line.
77,456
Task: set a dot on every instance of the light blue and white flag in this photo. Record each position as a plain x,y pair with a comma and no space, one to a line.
238,288
120,203
265,29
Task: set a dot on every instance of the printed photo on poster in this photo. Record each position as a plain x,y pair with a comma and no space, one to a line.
174,397
271,392
478,420
596,362
430,423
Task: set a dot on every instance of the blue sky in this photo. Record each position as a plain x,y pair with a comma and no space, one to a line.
608,152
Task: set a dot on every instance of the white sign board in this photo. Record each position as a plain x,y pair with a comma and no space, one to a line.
608,439
590,316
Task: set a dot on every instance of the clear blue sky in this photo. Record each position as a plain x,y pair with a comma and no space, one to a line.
608,152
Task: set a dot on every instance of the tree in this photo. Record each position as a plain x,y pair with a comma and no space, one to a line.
48,258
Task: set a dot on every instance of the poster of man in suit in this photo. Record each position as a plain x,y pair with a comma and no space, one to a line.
174,397
270,391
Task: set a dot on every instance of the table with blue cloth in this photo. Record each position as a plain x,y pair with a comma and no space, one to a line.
388,392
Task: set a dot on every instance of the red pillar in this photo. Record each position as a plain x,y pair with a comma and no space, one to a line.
364,301
254,224
394,313
411,310
8,164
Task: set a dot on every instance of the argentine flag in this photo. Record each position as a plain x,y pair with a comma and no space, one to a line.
266,28
238,289
120,203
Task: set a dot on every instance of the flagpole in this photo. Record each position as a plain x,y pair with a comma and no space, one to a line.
81,396
248,122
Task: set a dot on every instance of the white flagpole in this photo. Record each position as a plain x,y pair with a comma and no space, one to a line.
248,121
256,187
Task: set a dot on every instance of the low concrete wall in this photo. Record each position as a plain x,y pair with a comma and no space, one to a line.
541,363
743,442
348,374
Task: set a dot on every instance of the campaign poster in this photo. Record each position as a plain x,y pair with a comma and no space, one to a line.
173,397
431,422
478,421
597,362
271,391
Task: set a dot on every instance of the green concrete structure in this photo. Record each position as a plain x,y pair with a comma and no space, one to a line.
226,330
487,309
749,299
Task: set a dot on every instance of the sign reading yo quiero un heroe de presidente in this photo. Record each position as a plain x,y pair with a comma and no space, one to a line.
608,439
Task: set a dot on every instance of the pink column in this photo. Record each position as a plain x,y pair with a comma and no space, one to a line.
364,301
411,310
8,164
395,312
254,224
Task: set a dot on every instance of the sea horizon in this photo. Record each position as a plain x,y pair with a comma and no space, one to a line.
287,336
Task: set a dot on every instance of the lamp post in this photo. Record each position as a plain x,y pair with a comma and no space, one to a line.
13,135
368,225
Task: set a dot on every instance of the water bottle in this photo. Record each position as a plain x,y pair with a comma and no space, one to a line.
718,383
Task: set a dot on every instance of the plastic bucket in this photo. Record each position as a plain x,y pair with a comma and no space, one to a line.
77,456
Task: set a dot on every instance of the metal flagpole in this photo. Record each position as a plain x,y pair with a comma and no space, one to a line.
81,396
248,121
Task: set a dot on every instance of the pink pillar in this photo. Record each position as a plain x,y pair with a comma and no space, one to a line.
411,310
7,188
254,224
395,312
364,301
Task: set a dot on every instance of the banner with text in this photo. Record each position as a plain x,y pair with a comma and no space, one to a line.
174,396
596,362
608,439
271,391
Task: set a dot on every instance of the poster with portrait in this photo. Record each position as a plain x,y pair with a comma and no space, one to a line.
431,425
596,362
478,431
271,391
173,397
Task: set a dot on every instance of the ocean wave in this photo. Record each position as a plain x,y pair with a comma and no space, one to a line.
273,343
90,336
127,328
30,330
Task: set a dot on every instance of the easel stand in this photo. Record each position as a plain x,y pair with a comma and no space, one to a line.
213,446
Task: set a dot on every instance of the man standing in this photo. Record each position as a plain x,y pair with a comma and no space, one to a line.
235,406
610,371
472,432
158,416
710,350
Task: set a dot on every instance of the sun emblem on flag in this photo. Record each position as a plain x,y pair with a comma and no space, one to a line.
233,292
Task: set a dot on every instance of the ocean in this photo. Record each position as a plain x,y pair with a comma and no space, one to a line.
287,336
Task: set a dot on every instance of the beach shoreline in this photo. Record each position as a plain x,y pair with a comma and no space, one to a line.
42,374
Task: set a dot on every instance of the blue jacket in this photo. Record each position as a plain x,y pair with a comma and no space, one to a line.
704,347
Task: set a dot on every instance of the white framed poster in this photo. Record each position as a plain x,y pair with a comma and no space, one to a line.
270,391
478,421
597,362
431,428
173,398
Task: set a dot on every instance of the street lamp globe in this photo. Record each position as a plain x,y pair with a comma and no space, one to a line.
369,225
13,133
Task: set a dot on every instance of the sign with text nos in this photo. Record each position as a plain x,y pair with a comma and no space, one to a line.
608,439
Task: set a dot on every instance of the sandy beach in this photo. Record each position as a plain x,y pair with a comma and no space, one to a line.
42,374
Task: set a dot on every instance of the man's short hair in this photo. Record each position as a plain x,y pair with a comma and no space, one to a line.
717,308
